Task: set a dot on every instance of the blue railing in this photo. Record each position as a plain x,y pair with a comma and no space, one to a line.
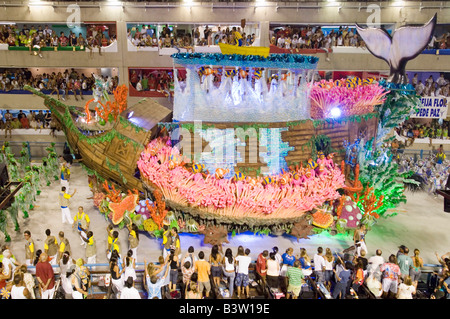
98,273
140,287
32,147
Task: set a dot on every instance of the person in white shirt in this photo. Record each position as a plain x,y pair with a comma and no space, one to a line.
327,42
374,263
273,271
129,291
242,279
278,257
229,270
319,265
9,265
287,43
190,256
66,278
444,90
354,40
18,290
294,43
15,84
441,81
406,289
136,41
414,80
301,43
432,42
420,88
47,31
437,91
139,86
374,285
350,33
434,91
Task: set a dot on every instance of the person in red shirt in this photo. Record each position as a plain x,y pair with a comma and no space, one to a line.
261,267
45,276
152,82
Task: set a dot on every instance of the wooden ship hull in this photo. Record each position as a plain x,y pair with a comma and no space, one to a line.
300,136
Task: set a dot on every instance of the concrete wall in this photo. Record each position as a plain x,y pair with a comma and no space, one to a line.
217,12
33,102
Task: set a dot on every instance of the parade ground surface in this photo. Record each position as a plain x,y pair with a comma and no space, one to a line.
420,223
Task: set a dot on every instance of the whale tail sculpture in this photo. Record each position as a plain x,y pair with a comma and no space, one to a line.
406,43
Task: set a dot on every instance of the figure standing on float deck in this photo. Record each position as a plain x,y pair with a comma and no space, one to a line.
64,202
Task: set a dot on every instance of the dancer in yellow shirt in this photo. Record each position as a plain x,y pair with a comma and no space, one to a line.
82,221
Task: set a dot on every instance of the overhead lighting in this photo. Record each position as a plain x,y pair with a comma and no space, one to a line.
332,3
260,3
38,3
114,3
398,3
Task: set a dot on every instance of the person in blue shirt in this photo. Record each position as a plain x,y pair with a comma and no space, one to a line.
288,257
287,260
305,261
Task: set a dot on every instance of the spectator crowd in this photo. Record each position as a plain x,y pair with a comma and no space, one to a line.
440,42
209,274
28,119
431,129
160,80
35,38
290,37
314,37
63,84
172,39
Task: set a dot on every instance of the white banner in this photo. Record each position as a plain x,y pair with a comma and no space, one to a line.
432,108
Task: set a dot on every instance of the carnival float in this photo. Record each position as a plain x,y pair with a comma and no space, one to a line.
264,149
